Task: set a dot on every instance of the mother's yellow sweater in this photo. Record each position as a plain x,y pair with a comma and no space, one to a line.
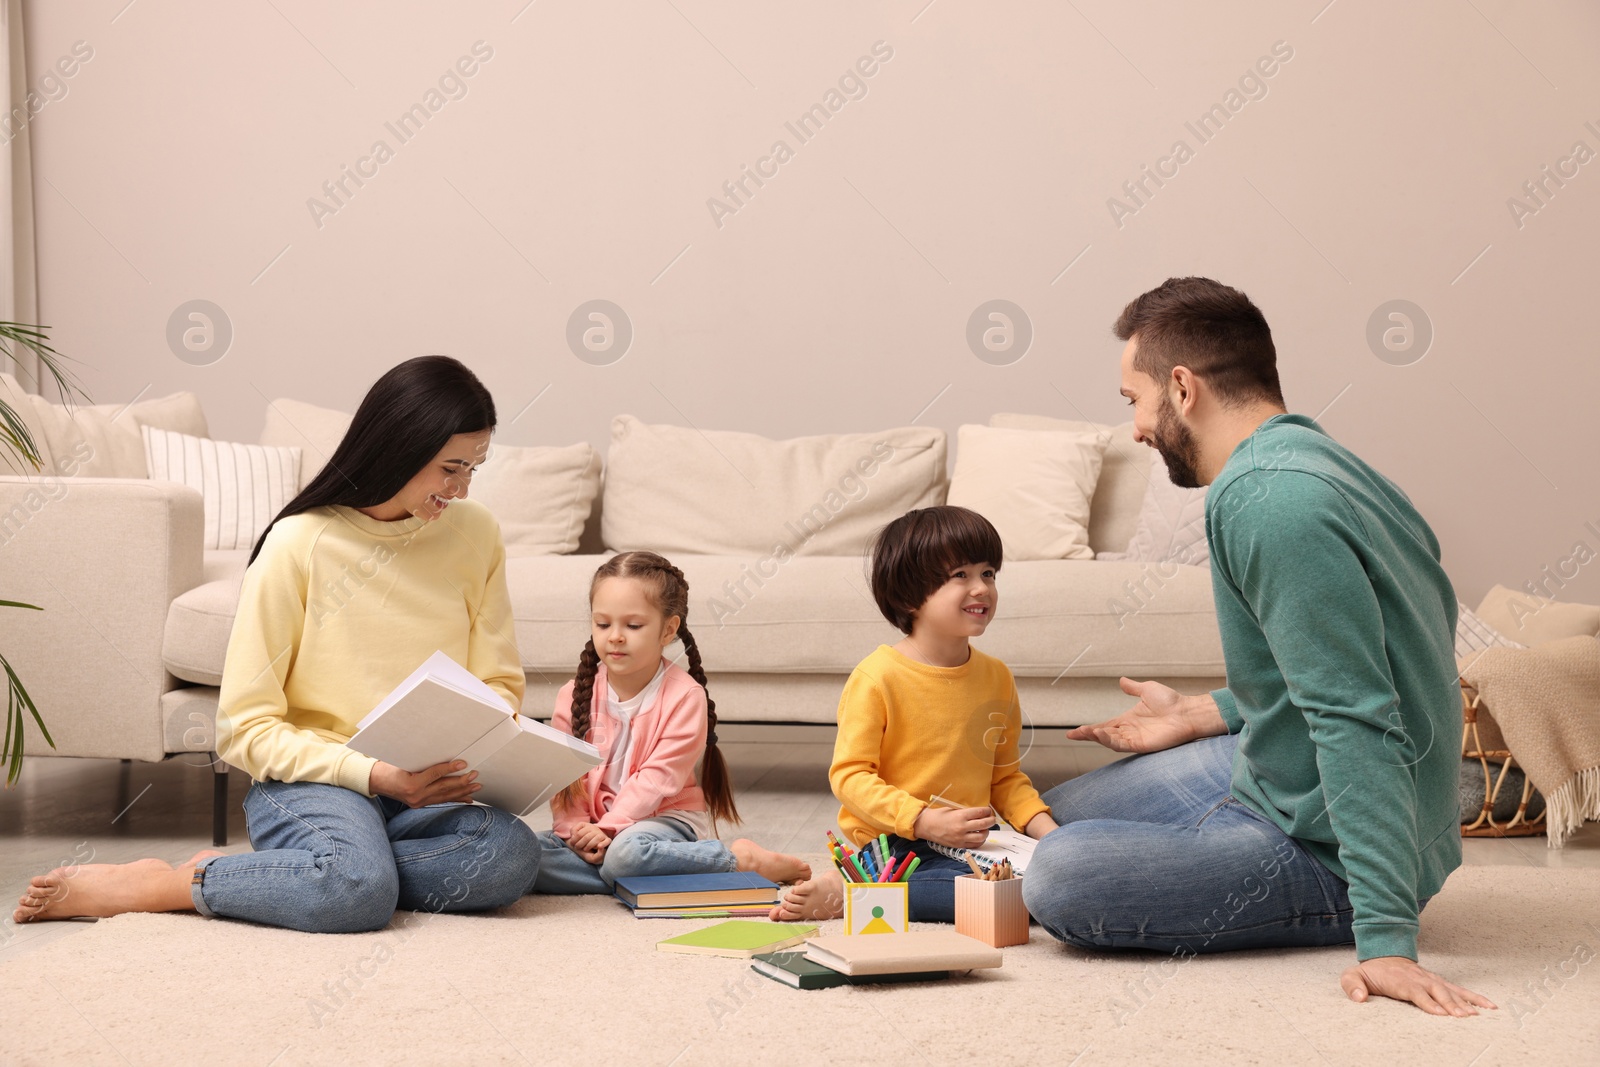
337,610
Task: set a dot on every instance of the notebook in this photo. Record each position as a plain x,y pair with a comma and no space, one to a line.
739,938
901,953
444,712
999,845
793,969
702,890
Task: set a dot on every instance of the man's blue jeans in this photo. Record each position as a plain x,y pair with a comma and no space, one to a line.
329,860
1154,853
650,846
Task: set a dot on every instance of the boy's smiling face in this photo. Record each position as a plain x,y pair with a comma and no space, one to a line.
962,606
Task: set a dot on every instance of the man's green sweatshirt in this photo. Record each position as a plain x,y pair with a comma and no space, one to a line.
1338,634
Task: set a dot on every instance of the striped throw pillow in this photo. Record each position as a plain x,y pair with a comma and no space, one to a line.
1474,636
243,486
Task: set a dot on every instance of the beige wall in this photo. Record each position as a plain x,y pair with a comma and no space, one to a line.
178,162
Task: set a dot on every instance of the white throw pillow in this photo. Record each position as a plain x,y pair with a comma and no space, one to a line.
243,486
541,496
717,492
1034,485
1124,476
1535,619
1172,523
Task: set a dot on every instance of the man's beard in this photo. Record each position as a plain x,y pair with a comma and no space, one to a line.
1178,448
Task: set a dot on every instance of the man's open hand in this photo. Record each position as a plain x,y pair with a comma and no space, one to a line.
1402,979
1164,718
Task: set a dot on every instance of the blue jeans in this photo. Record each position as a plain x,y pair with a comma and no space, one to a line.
650,846
329,860
1154,853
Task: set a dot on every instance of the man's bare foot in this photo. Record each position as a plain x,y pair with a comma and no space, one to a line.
820,898
104,889
778,866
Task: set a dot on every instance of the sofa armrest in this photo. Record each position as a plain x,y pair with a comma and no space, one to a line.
104,557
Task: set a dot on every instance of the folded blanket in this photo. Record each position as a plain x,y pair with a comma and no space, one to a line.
1546,702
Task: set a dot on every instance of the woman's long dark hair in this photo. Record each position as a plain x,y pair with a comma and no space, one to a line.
407,416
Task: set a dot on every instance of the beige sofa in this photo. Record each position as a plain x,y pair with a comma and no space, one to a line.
126,659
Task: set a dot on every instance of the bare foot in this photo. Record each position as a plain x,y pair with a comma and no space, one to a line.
779,867
820,898
104,889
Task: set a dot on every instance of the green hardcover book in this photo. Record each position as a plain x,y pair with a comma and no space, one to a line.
792,968
739,938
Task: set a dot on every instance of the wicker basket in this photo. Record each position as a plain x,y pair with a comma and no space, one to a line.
1519,825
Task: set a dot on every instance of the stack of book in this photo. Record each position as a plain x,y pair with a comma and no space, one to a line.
698,896
844,959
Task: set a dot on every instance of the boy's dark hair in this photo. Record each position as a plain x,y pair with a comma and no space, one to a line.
1211,328
914,554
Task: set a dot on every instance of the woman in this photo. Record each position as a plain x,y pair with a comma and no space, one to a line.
378,563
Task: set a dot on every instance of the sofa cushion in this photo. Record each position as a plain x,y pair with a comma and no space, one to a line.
100,440
1172,523
1033,485
1124,477
195,640
541,495
814,615
1535,619
715,492
314,430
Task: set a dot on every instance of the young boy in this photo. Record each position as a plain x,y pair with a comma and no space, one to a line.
930,716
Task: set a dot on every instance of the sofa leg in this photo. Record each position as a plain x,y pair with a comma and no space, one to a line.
219,804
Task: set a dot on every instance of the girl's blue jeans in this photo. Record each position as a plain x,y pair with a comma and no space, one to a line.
329,860
650,846
1155,853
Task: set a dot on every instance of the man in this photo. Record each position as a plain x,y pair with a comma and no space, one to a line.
1313,800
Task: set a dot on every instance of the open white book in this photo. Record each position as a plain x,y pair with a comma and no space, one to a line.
443,712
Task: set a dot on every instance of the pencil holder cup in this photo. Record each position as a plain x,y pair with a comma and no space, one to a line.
992,912
876,908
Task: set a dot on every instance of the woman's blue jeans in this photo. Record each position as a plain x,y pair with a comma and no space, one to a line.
1154,853
329,860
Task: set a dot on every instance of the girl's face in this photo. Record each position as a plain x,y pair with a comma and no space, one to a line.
442,479
629,631
962,606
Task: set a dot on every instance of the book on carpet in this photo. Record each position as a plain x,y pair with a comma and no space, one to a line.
739,938
901,953
792,968
754,911
706,891
444,712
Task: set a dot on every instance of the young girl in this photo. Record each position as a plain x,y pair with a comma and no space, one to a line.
343,839
640,812
931,716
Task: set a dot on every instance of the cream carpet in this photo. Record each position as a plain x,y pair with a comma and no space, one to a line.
577,980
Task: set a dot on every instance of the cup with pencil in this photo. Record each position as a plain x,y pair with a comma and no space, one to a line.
876,894
989,904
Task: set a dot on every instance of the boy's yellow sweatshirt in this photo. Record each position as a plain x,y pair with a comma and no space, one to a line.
335,612
908,730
